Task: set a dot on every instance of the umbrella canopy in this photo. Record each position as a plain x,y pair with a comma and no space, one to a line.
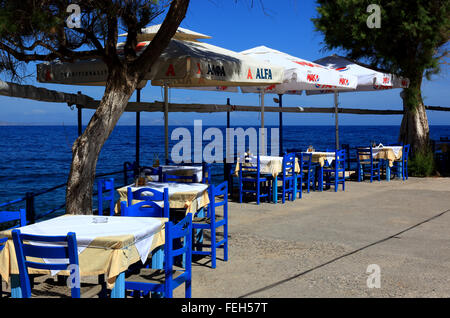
299,74
148,33
182,64
368,79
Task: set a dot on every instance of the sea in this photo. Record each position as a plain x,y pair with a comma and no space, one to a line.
36,158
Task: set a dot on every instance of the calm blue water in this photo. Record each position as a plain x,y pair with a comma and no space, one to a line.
33,158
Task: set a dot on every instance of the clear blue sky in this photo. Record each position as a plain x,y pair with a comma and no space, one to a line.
284,25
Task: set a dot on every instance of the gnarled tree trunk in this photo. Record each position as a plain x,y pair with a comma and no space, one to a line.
414,129
123,78
86,149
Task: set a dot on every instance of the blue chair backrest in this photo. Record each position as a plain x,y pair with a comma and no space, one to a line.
214,192
206,173
130,171
148,194
339,160
11,216
305,160
144,209
181,230
105,189
56,250
364,151
406,149
250,168
288,164
183,179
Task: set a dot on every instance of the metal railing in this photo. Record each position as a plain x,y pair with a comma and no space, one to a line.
29,198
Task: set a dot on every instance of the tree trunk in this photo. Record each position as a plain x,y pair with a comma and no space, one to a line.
87,147
414,129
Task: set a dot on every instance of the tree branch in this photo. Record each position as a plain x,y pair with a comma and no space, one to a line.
175,15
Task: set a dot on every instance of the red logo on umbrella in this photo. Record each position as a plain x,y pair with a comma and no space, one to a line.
170,71
249,74
48,75
304,63
343,81
312,78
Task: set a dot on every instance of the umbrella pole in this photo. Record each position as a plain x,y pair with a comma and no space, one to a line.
138,129
280,136
262,143
166,123
336,119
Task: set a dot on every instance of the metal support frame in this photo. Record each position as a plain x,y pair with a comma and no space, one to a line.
280,136
138,129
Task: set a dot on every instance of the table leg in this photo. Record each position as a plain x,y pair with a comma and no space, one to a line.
158,258
275,189
118,290
321,178
158,263
388,171
294,195
16,291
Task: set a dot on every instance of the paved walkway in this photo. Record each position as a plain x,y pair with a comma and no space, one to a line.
322,245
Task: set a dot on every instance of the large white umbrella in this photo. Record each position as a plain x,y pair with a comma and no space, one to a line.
299,74
368,80
182,64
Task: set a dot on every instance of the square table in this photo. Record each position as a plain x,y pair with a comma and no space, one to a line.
103,248
189,196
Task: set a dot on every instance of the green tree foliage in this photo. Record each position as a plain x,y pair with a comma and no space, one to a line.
38,30
411,41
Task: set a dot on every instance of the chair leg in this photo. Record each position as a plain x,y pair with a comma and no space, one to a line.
258,192
240,191
188,288
225,244
213,248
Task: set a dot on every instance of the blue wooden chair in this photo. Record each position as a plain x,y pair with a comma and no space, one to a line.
105,189
165,281
366,164
130,171
308,173
20,219
335,174
148,195
401,166
62,247
252,182
287,177
212,222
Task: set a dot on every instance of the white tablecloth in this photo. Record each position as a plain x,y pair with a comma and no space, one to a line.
103,247
181,170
